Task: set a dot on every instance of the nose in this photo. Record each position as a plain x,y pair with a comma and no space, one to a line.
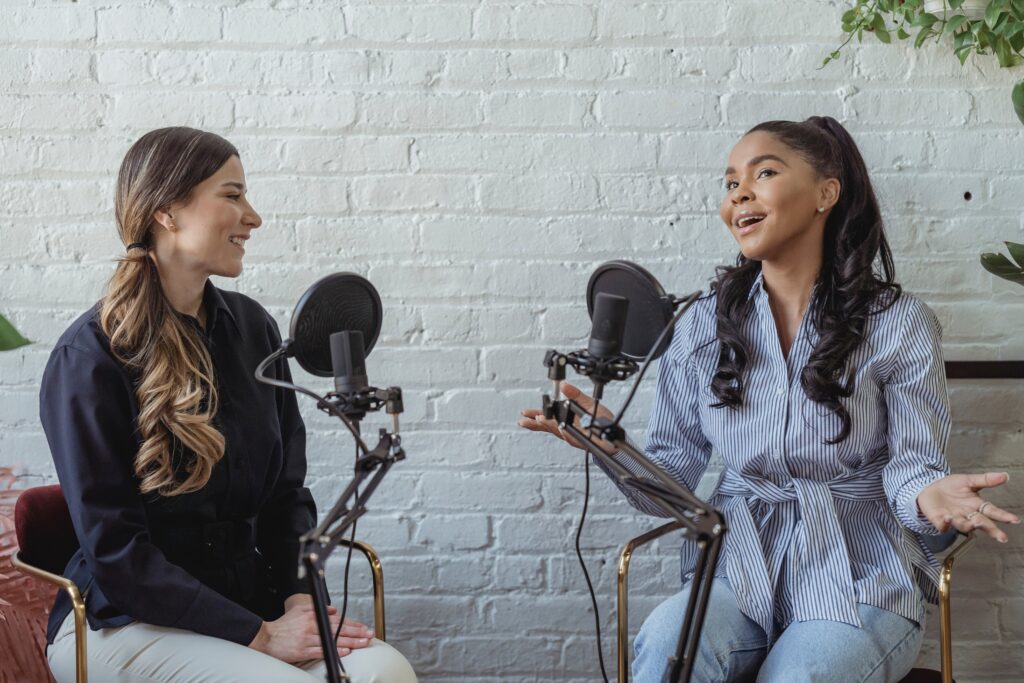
739,195
252,219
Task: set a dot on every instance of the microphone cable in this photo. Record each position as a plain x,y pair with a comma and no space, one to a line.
348,564
579,553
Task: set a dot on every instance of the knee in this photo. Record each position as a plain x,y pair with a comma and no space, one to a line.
379,663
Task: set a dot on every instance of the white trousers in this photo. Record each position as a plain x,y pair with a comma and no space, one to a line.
142,653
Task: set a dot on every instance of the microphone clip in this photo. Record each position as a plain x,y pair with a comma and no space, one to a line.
600,369
356,404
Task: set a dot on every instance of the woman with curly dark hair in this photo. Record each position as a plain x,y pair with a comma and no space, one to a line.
822,386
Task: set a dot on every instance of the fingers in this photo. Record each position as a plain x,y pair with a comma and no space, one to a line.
987,480
999,514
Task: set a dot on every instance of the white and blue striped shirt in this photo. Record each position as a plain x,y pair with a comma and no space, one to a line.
814,529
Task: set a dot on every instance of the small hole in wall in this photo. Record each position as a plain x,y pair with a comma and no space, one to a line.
968,196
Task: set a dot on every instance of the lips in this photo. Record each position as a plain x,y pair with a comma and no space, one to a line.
748,222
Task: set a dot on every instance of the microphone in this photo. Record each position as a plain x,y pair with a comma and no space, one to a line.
609,325
348,360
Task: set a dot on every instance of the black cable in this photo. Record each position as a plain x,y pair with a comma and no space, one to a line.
321,403
586,574
348,564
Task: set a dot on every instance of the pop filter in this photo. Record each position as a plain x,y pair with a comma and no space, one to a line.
650,309
336,303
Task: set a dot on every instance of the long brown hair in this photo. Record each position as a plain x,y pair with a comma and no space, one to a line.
176,391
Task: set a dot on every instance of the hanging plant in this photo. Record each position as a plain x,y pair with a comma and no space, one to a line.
992,27
10,338
999,265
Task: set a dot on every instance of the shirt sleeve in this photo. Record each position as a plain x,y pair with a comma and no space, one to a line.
86,409
289,511
675,438
919,422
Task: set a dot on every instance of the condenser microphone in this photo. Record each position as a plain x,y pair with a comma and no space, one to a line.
348,360
608,325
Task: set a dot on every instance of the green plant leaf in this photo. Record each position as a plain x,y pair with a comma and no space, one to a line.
922,36
926,20
992,13
955,4
953,25
10,338
902,34
1005,54
1018,100
1000,266
1016,251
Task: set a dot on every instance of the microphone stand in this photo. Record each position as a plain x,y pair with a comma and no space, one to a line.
316,545
701,523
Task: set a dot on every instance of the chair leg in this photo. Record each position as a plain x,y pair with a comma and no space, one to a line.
622,616
377,571
945,625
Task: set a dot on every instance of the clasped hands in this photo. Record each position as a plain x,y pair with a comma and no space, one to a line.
294,636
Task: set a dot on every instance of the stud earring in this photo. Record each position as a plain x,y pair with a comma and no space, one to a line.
821,209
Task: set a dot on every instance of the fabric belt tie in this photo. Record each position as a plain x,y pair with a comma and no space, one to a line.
819,547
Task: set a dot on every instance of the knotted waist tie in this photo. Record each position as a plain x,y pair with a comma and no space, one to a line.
821,558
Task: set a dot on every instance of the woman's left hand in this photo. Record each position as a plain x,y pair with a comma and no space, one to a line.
354,635
954,500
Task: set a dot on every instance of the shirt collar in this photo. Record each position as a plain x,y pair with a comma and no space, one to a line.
214,302
757,286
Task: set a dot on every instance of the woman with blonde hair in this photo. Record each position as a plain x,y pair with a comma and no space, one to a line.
183,475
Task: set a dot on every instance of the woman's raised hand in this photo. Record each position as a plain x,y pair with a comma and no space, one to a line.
534,420
954,501
294,636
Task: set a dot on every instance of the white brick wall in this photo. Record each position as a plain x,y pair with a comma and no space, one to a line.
476,160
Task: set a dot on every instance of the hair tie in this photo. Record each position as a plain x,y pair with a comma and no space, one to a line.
136,245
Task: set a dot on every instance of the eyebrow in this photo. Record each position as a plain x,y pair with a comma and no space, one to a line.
232,183
756,160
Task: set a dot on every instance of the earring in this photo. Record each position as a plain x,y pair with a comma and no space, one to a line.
821,209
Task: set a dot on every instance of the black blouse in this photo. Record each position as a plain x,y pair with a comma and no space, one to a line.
218,561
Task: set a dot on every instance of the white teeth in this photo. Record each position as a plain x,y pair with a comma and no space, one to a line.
235,240
747,220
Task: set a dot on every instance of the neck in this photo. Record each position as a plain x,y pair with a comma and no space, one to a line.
789,282
183,287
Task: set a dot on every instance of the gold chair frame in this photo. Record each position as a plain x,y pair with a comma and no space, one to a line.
78,603
622,639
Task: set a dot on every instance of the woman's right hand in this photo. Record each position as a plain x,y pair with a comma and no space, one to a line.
294,636
534,420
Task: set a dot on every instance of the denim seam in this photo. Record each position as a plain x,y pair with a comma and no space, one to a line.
888,654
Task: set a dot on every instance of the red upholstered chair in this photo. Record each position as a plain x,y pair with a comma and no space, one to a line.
46,541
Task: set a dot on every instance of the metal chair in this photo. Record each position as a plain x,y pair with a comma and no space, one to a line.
46,542
915,676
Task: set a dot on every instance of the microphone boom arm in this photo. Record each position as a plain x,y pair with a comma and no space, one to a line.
702,523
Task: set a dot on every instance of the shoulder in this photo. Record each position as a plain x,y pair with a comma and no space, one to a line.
695,329
907,315
82,360
250,315
85,338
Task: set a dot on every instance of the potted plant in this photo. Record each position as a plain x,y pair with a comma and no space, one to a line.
981,27
999,265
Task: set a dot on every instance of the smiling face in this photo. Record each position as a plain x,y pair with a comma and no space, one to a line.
208,232
771,201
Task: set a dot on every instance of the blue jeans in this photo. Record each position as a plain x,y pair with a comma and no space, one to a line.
734,648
